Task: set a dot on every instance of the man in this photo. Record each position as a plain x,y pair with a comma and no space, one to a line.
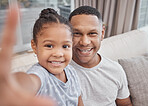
103,81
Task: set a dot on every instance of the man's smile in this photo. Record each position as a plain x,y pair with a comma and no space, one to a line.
85,52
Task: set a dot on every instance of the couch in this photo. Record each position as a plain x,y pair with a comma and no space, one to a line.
130,44
129,49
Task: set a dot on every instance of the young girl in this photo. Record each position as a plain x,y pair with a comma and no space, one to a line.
52,43
51,76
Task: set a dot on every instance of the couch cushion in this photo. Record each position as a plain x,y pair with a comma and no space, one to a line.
137,75
22,62
130,44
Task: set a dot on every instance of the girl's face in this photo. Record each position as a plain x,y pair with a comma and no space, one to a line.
54,47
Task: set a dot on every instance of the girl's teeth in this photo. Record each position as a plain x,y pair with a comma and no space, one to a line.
56,62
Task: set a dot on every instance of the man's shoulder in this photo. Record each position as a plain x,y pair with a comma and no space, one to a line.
113,67
108,62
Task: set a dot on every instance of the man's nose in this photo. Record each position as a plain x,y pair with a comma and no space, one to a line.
85,40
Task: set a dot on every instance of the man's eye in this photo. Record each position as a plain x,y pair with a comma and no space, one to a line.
65,46
76,34
93,34
49,46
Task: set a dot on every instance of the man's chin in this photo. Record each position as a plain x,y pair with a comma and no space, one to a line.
84,60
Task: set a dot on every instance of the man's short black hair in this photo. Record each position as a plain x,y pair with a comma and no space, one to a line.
88,10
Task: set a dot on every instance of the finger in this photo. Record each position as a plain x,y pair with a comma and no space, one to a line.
8,40
8,35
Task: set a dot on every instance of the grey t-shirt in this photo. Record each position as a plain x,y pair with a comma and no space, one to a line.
66,94
102,84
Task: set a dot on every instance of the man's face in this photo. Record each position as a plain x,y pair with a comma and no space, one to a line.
87,38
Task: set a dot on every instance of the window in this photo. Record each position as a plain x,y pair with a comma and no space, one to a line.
143,16
30,10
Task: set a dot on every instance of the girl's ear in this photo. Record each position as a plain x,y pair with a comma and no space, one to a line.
103,32
33,45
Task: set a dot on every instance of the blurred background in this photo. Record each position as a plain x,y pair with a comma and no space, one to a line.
119,16
30,10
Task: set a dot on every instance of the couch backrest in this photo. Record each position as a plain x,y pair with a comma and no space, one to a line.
127,45
22,62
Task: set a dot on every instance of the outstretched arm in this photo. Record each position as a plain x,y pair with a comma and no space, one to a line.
11,92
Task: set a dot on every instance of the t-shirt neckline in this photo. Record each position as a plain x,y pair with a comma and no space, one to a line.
88,69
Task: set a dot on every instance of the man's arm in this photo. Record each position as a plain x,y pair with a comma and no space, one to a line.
124,102
80,102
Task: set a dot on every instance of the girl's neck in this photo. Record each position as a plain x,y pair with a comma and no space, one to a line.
62,76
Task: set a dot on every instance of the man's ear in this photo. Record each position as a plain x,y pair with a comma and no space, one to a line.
34,46
103,32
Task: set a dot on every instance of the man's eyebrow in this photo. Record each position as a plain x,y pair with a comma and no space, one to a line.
89,31
94,30
74,29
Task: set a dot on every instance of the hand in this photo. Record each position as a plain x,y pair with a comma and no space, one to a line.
10,93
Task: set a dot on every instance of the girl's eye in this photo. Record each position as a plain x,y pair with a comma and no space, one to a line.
65,46
49,46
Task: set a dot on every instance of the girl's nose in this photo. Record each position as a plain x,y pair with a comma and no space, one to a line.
58,53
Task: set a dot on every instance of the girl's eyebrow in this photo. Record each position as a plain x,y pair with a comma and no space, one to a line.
47,41
68,41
